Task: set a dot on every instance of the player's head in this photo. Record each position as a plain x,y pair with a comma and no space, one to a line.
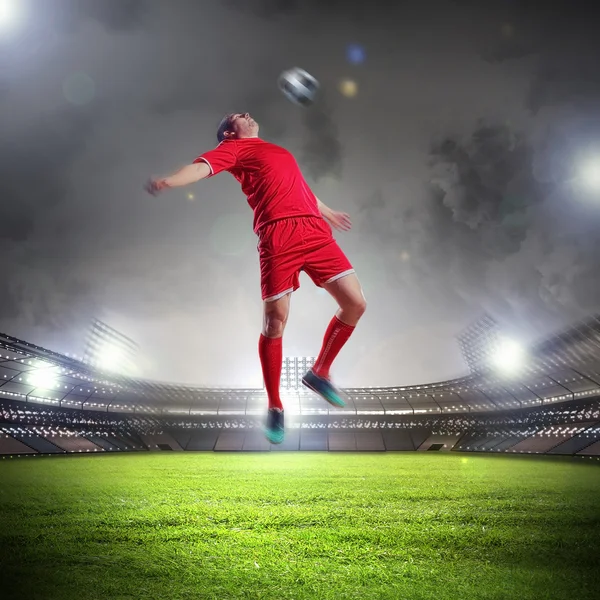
237,125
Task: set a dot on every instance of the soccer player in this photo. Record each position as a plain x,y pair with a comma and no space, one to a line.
294,232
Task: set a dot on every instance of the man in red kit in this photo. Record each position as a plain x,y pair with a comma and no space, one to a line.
294,231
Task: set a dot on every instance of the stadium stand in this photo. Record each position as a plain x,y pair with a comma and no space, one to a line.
291,442
54,404
591,450
313,440
440,442
230,441
11,445
72,441
255,441
161,441
34,440
563,430
204,440
369,441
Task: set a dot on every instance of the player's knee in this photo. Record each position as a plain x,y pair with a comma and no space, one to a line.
356,303
354,307
360,306
273,326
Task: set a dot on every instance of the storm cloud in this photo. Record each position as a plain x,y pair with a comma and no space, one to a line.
460,161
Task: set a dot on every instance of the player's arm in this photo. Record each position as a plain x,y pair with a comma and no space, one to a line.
338,220
188,174
324,209
184,176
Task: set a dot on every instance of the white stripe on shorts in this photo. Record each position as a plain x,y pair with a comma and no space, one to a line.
272,298
340,275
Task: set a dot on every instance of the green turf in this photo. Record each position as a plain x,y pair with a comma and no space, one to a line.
299,525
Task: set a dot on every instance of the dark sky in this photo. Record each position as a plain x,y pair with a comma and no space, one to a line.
461,161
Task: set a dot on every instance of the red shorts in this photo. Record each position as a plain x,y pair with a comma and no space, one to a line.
289,246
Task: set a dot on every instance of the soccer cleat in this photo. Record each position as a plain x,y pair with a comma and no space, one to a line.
324,388
274,431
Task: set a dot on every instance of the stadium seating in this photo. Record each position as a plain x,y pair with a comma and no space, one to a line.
561,429
162,441
55,404
439,442
10,445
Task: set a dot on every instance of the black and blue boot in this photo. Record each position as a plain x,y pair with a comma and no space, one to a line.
324,388
275,431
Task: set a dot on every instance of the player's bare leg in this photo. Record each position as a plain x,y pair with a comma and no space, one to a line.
275,316
349,295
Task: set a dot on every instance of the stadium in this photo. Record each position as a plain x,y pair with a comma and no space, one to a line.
53,404
406,492
453,148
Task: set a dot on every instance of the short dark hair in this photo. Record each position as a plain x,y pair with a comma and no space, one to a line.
224,126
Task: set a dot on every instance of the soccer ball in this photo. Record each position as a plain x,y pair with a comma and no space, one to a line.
298,86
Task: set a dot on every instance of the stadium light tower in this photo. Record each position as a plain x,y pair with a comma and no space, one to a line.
293,369
110,357
508,357
44,378
110,350
484,347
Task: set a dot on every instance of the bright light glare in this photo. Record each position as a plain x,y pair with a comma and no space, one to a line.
43,378
110,357
509,357
590,173
8,12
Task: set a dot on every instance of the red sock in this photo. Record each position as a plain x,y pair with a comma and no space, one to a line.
336,336
270,352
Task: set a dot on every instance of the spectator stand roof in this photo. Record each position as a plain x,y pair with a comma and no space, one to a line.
561,368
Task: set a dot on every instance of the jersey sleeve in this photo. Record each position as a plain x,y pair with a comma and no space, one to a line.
221,158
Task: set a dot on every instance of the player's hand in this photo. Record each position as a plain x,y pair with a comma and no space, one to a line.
339,220
155,186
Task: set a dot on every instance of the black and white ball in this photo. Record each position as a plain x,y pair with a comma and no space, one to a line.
299,86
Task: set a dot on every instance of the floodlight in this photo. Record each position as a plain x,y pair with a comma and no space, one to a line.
9,13
110,357
590,172
508,357
44,378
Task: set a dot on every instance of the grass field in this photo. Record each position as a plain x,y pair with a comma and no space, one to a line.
299,525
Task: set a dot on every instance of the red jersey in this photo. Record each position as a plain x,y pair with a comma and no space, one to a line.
270,178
